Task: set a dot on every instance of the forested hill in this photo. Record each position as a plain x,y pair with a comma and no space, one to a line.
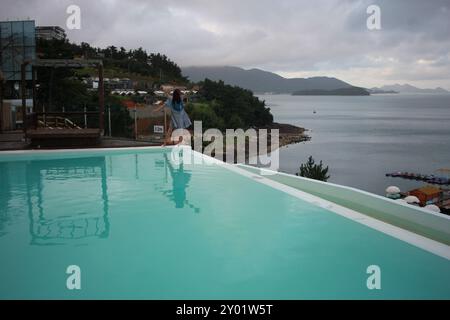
223,106
118,62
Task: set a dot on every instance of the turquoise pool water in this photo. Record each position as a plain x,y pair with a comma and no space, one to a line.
140,226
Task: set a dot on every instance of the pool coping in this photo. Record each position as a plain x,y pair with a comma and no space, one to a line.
404,235
419,241
271,172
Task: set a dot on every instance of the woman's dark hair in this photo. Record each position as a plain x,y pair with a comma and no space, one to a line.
176,97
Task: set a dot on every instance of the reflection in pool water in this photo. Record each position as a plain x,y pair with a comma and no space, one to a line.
180,182
56,216
50,226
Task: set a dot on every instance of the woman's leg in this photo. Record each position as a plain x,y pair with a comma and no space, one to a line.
169,136
168,140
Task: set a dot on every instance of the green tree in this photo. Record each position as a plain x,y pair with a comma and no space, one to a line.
313,171
121,121
136,61
205,112
238,107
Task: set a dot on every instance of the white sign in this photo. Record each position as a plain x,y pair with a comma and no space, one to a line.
158,129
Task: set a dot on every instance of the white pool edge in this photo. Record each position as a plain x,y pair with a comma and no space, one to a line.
373,195
412,238
82,150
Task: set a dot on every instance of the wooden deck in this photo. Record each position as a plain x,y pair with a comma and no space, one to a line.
45,137
14,140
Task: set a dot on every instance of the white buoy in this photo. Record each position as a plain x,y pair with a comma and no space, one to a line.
392,190
412,199
433,208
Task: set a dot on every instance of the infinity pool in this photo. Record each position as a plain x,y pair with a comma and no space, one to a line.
140,225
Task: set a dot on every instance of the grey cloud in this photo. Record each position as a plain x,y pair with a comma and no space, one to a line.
286,35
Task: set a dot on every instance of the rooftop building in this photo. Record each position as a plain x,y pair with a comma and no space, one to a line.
50,33
427,194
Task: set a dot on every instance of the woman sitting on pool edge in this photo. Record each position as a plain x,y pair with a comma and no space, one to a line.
179,117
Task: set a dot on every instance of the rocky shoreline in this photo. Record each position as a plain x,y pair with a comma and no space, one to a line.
290,134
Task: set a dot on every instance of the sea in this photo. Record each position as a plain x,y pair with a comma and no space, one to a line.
361,138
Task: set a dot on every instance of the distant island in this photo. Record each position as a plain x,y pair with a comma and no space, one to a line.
407,88
380,91
353,91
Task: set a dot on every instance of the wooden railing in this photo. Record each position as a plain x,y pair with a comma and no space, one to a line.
54,120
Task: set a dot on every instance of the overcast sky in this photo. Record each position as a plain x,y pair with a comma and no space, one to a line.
293,38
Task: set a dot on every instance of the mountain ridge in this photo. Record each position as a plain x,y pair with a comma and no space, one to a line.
262,81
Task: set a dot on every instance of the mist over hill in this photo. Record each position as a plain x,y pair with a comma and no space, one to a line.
260,81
